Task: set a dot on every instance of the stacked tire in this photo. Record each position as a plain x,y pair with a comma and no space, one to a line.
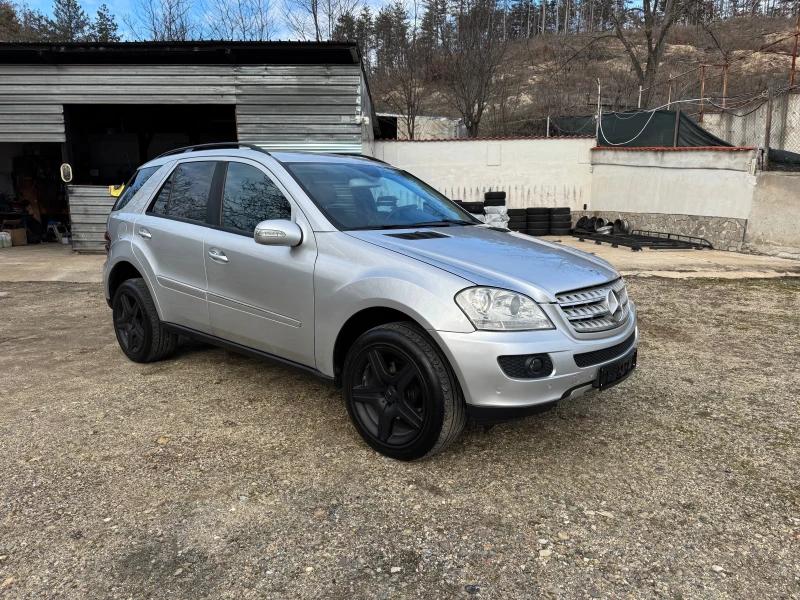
494,199
475,208
560,220
537,221
516,220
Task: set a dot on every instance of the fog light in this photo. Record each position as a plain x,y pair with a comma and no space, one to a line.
534,365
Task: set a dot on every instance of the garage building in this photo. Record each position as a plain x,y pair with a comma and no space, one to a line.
107,108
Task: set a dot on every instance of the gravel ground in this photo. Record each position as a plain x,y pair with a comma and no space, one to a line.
214,476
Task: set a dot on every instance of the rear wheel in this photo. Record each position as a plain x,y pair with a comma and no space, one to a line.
137,326
401,393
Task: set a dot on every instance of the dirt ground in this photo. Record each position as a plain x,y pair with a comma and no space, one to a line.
211,475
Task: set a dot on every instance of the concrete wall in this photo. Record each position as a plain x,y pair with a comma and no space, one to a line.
532,172
774,223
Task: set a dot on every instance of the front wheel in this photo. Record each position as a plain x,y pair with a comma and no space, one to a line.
401,394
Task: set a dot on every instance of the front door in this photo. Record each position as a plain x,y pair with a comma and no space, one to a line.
168,239
260,296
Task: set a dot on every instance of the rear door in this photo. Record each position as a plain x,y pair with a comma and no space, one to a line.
169,238
260,296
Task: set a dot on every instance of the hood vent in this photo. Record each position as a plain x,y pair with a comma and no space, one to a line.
418,235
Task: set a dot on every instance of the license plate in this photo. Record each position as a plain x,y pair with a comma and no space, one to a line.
616,372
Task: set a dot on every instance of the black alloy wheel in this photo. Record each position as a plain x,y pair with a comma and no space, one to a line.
389,396
129,323
401,393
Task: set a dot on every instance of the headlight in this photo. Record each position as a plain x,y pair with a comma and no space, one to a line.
501,310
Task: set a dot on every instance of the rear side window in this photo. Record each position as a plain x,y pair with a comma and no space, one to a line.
134,185
186,192
250,197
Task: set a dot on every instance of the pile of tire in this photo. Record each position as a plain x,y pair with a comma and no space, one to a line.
494,199
537,221
560,221
516,220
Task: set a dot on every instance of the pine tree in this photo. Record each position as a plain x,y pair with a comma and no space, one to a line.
70,22
104,28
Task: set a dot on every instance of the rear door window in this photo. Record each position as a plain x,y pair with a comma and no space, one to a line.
249,197
134,185
186,192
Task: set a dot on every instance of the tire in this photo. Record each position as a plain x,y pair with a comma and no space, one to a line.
537,210
517,226
560,211
475,208
582,223
139,331
516,212
560,218
495,196
419,417
516,219
559,231
537,232
494,202
537,219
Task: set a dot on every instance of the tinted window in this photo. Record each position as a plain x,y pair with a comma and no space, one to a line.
251,197
134,185
190,190
160,205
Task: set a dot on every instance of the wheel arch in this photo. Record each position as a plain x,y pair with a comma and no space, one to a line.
358,324
121,272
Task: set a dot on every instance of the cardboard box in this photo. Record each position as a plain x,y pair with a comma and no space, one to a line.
19,237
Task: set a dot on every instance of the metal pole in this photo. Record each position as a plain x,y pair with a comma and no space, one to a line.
768,128
794,53
669,94
599,114
702,90
725,86
640,98
548,126
677,127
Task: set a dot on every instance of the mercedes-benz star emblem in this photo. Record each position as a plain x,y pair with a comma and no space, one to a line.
612,302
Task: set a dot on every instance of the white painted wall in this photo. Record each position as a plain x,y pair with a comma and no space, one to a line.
532,172
713,183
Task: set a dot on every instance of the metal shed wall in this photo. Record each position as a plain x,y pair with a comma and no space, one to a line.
89,206
312,107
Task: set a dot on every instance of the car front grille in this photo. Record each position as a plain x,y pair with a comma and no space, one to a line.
599,308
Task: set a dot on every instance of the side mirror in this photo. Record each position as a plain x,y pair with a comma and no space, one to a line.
278,232
116,190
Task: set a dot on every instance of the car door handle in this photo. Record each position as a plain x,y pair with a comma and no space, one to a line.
145,233
217,255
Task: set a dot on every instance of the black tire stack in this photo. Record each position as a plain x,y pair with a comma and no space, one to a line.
494,199
537,221
475,208
560,221
516,219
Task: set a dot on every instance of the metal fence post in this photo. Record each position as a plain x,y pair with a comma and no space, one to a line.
702,90
677,127
548,126
794,52
767,129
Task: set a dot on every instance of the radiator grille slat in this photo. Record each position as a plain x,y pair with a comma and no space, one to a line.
596,309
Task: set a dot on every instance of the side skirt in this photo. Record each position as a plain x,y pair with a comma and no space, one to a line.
250,352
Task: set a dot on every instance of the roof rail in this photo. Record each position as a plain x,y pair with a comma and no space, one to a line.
214,146
364,156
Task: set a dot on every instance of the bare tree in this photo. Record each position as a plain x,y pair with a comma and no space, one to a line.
163,20
471,63
657,17
240,19
317,19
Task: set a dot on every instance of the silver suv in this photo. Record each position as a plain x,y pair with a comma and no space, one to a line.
360,274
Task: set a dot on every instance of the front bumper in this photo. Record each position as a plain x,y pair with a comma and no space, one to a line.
473,357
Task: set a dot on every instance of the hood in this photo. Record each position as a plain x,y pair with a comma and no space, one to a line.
486,256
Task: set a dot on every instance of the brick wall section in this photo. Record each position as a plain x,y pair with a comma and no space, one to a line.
724,233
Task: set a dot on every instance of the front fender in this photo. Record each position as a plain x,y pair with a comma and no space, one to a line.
361,276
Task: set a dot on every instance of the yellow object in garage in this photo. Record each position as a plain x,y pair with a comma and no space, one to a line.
116,190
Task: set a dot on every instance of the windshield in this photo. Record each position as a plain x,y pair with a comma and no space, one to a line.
374,196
